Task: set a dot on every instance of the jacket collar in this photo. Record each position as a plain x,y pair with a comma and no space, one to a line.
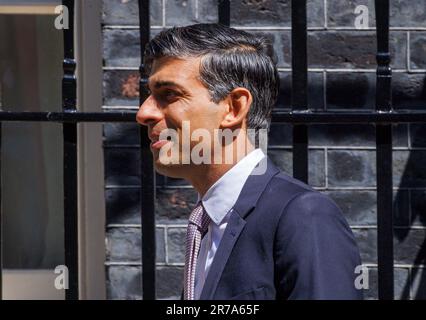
253,188
231,183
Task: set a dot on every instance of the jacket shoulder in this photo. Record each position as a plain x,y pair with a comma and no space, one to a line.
285,195
282,188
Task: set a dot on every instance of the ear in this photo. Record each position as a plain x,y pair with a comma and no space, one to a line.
238,103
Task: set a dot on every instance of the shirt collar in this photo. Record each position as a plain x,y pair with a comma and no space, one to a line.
223,194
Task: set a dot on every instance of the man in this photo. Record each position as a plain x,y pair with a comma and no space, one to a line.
255,233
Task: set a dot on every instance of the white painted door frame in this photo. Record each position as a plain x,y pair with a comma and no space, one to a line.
38,284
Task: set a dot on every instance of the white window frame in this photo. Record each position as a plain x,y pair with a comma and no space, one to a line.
38,284
28,7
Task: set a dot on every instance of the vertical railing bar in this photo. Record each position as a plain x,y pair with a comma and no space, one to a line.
224,12
299,94
69,85
384,156
1,221
147,192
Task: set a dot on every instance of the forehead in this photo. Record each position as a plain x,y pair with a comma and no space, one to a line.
183,72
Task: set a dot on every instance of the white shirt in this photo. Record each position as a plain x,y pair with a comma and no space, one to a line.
218,202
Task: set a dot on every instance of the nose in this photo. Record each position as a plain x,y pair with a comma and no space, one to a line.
149,112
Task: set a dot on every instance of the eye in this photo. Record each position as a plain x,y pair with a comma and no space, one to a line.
169,94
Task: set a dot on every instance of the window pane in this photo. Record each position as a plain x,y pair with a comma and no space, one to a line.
28,6
31,53
32,195
29,2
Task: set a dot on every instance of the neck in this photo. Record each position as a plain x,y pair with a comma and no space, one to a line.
203,176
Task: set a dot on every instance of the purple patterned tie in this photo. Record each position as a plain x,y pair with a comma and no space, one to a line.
197,227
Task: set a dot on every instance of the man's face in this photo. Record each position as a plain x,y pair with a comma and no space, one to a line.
177,96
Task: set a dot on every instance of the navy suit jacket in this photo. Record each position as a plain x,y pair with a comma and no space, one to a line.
284,240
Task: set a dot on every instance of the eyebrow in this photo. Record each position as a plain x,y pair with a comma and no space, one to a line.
163,83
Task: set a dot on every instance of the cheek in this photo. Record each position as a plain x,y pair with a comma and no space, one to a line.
174,118
200,113
208,117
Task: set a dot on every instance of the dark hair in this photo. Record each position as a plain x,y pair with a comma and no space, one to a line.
230,58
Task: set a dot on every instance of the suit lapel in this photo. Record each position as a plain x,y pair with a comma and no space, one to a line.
235,226
247,200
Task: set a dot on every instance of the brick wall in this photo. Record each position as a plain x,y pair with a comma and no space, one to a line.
341,157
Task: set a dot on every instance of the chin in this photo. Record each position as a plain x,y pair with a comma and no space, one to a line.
169,170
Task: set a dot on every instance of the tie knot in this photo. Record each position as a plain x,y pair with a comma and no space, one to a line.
200,218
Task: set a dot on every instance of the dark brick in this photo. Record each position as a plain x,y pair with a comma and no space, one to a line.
353,135
124,282
184,12
401,279
123,205
175,203
352,49
418,207
160,245
316,174
351,168
122,166
176,245
401,209
409,169
418,135
418,50
121,48
407,13
418,289
400,135
351,90
169,282
282,47
256,13
124,244
121,87
357,91
411,249
125,12
359,207
279,46
409,91
121,134
207,11
160,180
315,89
280,134
341,13
372,292
367,243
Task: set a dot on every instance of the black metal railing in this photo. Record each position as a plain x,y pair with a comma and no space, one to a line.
69,104
147,192
300,117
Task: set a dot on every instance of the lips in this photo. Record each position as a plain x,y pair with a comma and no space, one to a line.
158,144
